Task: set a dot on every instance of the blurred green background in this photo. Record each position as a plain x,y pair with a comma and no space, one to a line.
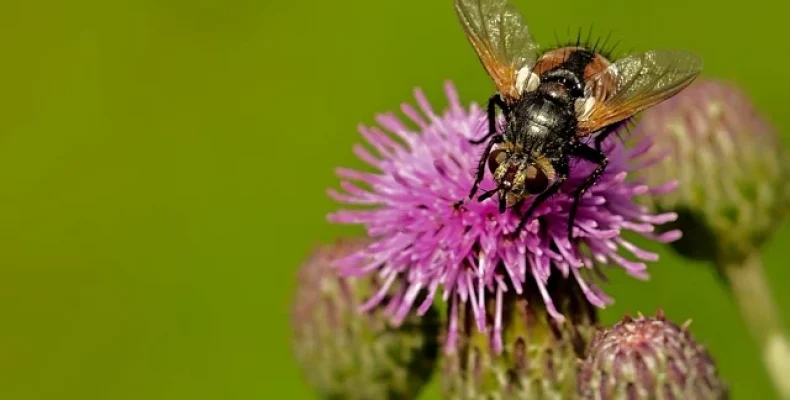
163,167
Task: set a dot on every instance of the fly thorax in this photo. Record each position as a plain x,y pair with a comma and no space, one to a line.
557,92
541,118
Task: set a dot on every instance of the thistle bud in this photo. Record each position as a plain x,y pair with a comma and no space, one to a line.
732,171
345,353
648,358
537,355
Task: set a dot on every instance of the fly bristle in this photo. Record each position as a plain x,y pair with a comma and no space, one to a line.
589,37
615,46
603,45
609,51
599,44
557,41
595,46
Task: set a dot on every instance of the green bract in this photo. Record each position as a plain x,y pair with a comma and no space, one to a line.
539,355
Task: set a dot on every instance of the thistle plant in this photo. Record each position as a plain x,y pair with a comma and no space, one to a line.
733,191
519,310
350,355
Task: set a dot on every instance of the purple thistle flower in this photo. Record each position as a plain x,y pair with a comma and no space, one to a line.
423,240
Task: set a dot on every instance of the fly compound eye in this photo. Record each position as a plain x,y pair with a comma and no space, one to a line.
536,181
496,158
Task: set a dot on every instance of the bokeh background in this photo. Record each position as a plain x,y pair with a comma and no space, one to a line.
163,167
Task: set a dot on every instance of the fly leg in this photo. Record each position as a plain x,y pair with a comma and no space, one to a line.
586,153
494,102
535,203
481,165
608,131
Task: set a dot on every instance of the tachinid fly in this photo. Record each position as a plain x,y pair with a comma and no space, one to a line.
553,100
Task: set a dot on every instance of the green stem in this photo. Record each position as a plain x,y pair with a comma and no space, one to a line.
758,308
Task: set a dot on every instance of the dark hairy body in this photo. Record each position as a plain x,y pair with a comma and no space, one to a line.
540,138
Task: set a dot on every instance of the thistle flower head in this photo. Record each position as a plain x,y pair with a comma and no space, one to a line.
733,173
351,355
648,358
423,240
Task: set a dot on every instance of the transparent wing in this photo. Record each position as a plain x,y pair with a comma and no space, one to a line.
501,39
636,82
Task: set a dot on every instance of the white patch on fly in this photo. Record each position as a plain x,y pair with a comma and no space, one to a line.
584,106
526,80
